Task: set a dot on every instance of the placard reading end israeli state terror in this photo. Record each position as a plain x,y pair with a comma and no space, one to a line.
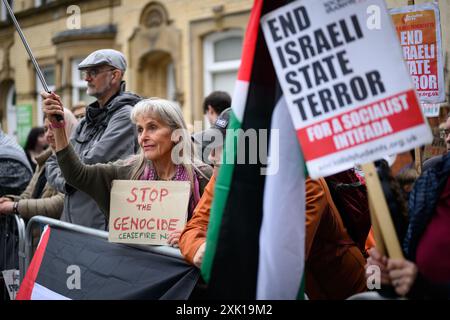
146,212
347,87
419,30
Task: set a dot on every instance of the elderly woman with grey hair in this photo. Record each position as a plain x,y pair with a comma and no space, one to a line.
161,128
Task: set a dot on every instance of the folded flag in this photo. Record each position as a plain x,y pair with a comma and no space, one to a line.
70,265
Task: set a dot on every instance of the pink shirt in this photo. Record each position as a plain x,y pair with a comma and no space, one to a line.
433,251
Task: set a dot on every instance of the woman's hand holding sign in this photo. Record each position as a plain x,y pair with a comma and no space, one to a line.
174,238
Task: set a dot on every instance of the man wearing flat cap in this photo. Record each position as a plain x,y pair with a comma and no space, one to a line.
105,134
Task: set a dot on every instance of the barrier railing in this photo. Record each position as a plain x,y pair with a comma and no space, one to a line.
21,252
163,250
12,232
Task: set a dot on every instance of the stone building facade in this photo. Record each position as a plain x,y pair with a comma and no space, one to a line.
177,49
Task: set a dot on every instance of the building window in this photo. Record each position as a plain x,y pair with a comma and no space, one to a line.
171,86
3,11
49,76
222,57
79,85
39,3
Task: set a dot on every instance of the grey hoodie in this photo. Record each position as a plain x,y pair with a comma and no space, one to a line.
105,134
15,170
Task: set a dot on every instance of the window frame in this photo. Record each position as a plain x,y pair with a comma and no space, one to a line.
11,113
77,82
171,85
40,3
3,12
209,66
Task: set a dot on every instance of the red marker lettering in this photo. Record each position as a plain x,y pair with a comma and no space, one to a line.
143,193
133,194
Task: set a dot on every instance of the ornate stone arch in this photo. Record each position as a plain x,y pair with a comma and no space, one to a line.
154,15
155,45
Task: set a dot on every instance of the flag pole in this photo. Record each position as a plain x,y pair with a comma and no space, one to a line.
379,241
382,224
418,160
28,49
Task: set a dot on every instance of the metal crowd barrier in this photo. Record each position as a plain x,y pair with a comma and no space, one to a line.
163,250
13,239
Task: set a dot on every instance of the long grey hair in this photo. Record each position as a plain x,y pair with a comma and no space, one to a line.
169,113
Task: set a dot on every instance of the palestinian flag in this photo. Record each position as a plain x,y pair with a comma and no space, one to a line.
70,265
282,238
230,264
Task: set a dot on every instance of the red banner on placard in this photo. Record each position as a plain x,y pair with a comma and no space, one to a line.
418,29
364,124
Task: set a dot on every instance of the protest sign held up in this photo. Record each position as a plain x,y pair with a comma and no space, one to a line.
349,93
419,31
146,212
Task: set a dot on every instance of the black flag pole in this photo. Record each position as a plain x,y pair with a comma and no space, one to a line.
30,53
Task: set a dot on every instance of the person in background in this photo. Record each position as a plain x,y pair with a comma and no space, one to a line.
79,110
429,163
15,170
105,134
447,132
35,144
39,198
15,173
425,270
406,181
161,128
334,256
214,104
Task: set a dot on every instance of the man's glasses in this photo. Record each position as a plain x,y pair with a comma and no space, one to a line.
93,72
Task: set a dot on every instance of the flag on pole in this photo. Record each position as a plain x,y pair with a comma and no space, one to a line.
230,264
282,237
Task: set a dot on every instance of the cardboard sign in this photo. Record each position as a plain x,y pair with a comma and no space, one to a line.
146,212
430,110
348,90
12,282
419,31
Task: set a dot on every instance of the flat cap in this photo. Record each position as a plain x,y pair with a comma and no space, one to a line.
109,57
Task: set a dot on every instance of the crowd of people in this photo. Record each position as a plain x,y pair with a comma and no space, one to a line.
124,136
